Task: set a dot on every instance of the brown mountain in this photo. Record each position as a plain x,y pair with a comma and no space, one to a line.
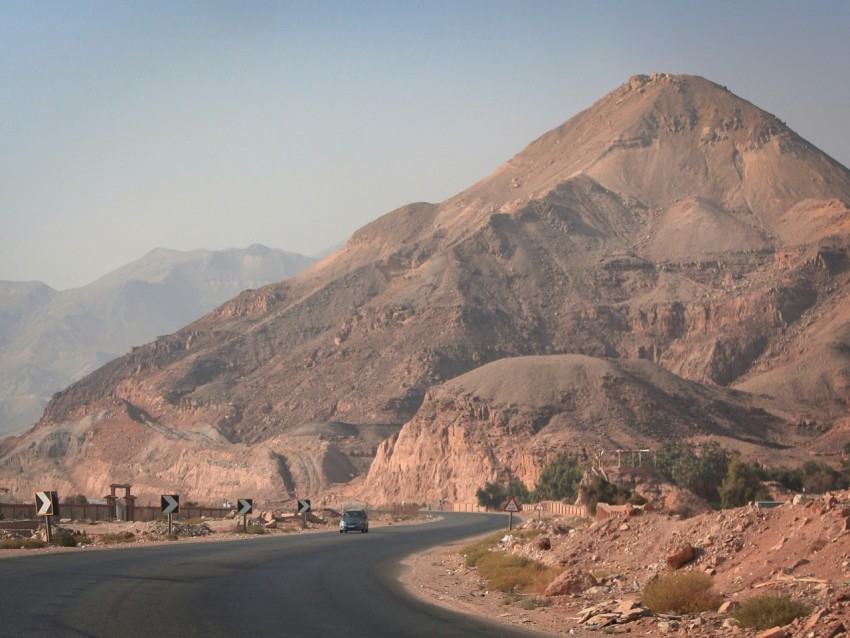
671,222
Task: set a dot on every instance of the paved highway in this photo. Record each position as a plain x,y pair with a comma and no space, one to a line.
325,584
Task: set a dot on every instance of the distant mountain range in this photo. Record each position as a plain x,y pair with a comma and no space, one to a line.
48,338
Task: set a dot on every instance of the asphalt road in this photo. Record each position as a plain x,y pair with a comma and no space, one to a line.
326,584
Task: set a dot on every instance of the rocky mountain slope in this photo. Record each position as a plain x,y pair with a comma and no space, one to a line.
50,338
671,222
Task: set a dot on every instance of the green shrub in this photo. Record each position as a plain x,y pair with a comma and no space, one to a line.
64,539
492,495
559,480
598,490
681,593
700,468
741,485
818,477
254,529
764,612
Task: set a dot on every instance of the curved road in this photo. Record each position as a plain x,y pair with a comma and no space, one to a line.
326,584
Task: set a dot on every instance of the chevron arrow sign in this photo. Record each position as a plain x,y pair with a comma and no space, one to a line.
244,506
170,503
303,506
44,502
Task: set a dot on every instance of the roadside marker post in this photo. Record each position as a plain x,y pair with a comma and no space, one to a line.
303,508
511,506
244,507
47,505
170,504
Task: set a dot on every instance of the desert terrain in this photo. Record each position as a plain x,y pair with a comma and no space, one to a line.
800,549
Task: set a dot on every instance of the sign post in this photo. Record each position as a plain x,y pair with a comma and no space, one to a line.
170,503
47,505
244,507
512,506
303,508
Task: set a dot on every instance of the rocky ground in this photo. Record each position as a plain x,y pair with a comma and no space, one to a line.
800,550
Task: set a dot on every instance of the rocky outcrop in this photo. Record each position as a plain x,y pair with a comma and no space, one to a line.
509,418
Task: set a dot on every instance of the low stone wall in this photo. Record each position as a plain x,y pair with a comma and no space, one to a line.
557,508
468,507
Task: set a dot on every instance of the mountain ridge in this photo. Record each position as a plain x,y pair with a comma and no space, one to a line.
671,222
51,338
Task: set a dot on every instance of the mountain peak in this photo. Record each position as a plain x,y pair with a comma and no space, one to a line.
671,222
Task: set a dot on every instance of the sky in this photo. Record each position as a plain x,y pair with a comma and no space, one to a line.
127,126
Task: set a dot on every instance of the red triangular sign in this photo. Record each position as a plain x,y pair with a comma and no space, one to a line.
512,506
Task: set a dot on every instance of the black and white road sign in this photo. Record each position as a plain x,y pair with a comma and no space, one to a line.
170,503
46,504
303,506
244,506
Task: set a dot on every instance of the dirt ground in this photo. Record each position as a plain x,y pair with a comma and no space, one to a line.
802,551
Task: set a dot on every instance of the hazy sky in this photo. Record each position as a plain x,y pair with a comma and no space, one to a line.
126,126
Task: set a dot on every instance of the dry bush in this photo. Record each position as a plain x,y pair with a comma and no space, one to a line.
764,612
253,529
117,537
509,572
20,543
681,593
64,539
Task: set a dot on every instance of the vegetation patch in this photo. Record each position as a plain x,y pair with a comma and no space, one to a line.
681,593
20,543
507,572
64,539
118,537
534,603
162,537
253,529
473,552
764,612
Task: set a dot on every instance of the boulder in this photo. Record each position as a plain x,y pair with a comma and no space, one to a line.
680,556
544,543
571,582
